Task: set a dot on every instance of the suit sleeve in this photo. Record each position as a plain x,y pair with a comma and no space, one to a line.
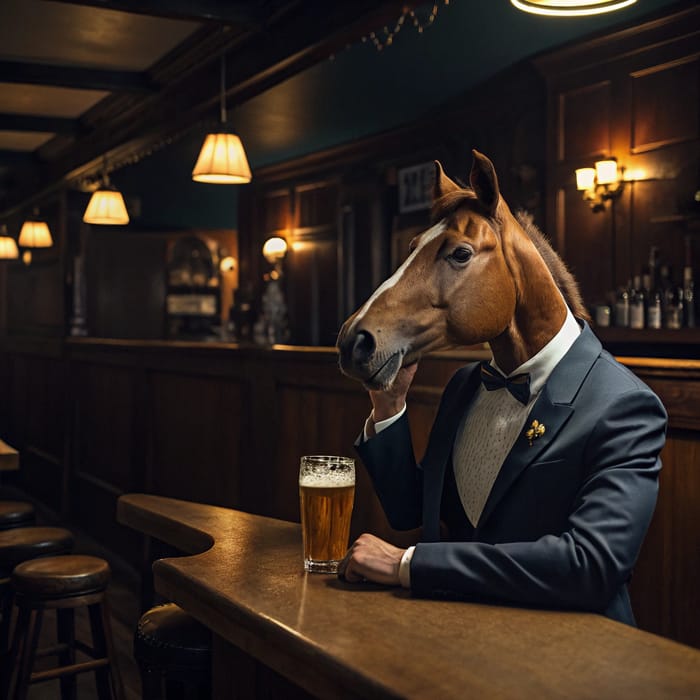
396,477
585,565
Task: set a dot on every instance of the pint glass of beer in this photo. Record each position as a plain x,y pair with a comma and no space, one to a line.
326,494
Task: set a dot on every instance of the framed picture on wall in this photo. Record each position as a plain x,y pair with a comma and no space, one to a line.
416,187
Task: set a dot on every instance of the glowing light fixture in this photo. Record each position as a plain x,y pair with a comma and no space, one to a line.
106,207
274,249
600,184
571,8
8,247
35,233
222,159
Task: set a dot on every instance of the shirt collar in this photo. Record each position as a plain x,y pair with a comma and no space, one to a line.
541,365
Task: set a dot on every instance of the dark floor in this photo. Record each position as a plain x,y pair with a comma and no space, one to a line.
123,596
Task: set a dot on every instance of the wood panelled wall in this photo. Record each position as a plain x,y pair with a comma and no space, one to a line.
224,425
633,95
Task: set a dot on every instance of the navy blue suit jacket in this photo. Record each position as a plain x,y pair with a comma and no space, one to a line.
564,522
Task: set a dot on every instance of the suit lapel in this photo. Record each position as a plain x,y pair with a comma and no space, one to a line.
553,408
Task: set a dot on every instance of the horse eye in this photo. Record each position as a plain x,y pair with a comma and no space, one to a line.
461,255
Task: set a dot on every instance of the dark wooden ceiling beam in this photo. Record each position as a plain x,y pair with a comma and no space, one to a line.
13,158
123,128
30,122
75,77
239,12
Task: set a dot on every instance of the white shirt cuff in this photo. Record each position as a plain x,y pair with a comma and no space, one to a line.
382,424
405,568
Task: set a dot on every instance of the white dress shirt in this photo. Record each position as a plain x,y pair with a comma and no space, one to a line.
490,428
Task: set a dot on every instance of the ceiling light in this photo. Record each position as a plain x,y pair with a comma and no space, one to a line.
8,247
106,207
571,8
222,160
35,233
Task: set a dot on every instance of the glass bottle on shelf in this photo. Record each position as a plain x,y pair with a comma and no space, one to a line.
637,304
689,311
650,281
622,306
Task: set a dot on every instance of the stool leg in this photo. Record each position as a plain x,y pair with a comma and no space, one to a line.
102,642
65,629
29,641
6,599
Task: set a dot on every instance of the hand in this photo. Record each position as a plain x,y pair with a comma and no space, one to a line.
386,404
372,559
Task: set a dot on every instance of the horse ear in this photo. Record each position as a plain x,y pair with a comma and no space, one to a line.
443,184
484,182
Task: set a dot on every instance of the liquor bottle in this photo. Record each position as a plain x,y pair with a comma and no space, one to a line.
637,304
622,306
672,299
650,280
689,311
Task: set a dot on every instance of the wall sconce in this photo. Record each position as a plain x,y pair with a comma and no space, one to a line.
600,184
106,207
222,160
35,233
8,247
274,250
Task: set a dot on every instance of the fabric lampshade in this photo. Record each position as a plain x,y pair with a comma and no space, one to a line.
35,234
106,207
222,160
8,248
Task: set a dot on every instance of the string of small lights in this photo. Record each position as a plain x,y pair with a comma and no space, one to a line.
385,37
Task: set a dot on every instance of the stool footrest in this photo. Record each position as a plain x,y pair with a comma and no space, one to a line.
71,670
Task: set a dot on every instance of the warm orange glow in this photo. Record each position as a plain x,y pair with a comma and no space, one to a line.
8,248
570,8
585,178
35,234
606,172
274,249
107,208
222,161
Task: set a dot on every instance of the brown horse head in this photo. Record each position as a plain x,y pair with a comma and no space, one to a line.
475,276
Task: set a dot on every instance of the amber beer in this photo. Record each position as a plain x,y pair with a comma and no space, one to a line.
326,494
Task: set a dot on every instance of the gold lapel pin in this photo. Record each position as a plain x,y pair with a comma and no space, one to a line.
535,431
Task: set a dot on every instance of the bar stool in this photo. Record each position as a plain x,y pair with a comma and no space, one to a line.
21,544
16,514
63,583
173,650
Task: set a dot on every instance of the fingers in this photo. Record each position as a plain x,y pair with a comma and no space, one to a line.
372,559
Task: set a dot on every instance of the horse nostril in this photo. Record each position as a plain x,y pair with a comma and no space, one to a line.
363,346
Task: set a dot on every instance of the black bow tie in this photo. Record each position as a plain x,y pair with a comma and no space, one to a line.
519,385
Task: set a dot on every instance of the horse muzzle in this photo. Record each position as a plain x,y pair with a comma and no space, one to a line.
360,359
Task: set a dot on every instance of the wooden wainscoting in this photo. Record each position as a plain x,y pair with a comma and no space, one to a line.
226,425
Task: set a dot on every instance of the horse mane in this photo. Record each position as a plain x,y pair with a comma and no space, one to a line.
563,277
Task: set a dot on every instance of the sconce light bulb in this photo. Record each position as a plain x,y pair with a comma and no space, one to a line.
585,178
606,172
274,249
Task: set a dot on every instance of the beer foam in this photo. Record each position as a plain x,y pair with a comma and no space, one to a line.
326,476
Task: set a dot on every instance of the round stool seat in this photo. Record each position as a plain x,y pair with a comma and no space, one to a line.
22,543
167,637
63,576
15,514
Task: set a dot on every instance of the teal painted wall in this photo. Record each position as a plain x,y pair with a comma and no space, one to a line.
359,92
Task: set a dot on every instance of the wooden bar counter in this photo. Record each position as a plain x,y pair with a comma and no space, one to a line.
334,640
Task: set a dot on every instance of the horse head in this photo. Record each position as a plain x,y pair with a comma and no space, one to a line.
475,276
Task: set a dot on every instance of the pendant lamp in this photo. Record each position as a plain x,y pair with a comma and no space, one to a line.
222,160
35,233
571,8
8,247
106,206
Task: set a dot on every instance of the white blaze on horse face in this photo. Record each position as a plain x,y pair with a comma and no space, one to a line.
425,238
